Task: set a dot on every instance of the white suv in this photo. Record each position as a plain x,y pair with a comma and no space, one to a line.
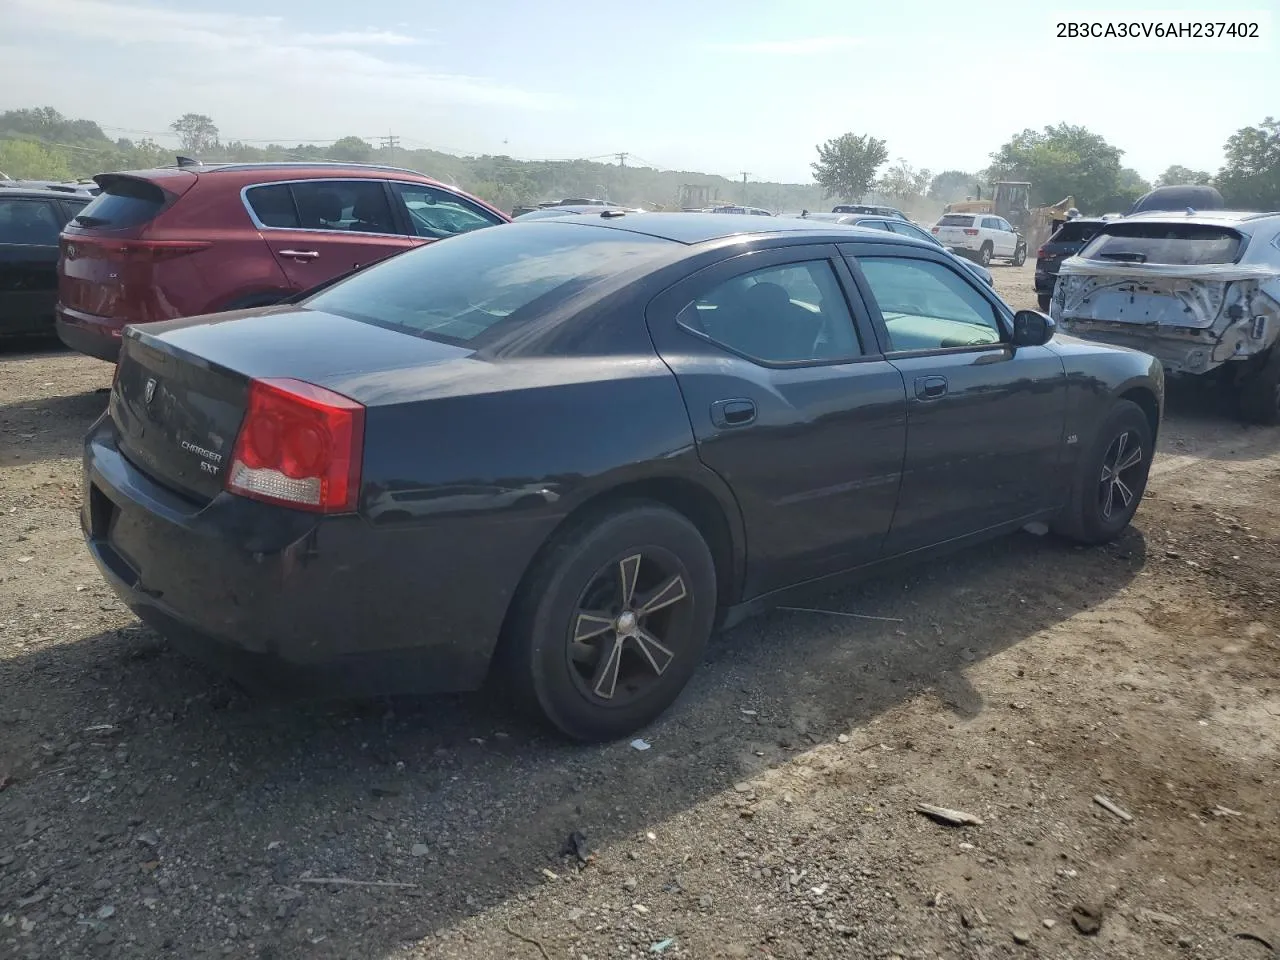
981,236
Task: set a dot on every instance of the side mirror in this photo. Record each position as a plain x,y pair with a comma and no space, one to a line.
1031,328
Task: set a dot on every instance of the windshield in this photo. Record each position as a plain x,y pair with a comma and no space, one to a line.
1076,232
459,288
1172,244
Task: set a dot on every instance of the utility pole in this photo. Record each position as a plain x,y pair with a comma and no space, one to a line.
622,158
391,142
745,174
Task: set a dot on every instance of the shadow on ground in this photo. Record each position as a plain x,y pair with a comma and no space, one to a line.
142,783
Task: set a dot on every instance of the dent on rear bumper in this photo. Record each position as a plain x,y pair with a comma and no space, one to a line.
270,589
1192,319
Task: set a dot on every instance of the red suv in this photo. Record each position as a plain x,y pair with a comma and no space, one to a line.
195,239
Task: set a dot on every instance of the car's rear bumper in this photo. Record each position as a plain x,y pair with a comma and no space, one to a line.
88,334
1045,282
288,601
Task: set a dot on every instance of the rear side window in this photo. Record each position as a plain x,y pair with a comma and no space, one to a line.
29,221
123,202
1072,232
955,220
1172,244
457,291
274,206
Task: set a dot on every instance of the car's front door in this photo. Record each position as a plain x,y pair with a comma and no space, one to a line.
318,229
792,404
985,419
1001,241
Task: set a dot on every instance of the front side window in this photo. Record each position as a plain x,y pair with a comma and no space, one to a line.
438,214
792,313
911,230
927,306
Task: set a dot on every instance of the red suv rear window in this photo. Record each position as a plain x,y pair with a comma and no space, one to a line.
123,202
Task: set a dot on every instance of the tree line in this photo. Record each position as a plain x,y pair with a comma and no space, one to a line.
1058,161
41,143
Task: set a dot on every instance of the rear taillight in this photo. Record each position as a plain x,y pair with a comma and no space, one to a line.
935,229
1040,254
970,233
299,445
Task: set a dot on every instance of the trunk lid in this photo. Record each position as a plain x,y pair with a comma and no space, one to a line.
182,387
102,254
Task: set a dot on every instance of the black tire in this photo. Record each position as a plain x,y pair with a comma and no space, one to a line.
1086,519
1044,302
566,681
1259,397
1020,255
984,255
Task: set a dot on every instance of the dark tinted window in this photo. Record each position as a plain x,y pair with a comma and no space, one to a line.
873,224
123,202
274,206
1075,232
358,206
927,306
456,291
785,314
956,220
438,213
71,207
29,221
1177,244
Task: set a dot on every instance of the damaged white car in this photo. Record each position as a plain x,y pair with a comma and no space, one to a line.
1200,292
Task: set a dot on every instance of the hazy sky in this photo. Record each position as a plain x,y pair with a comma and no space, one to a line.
686,84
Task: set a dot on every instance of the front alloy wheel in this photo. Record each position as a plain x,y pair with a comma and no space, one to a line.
1122,469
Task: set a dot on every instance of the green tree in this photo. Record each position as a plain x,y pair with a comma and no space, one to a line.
904,183
1061,161
1250,179
1178,175
351,150
952,185
28,160
847,165
196,132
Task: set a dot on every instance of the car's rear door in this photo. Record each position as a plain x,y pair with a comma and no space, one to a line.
791,403
985,419
29,228
318,229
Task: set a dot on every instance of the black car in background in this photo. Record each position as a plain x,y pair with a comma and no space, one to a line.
1066,242
30,222
559,454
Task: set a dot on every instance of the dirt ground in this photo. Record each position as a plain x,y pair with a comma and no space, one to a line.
149,810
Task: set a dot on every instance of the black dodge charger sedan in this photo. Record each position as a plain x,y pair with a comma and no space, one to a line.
559,454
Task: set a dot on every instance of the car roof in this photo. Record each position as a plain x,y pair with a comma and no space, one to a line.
40,193
1221,218
693,228
284,170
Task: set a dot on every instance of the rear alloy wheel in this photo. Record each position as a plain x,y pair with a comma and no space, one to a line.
613,622
1111,479
1020,255
984,255
1259,397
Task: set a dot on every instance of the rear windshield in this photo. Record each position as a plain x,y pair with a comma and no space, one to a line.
1072,232
123,202
955,220
459,288
1174,244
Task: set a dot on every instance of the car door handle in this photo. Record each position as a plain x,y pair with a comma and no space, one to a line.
733,413
931,388
300,254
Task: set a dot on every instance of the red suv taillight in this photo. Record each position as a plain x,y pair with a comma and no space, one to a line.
1040,253
300,445
970,233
